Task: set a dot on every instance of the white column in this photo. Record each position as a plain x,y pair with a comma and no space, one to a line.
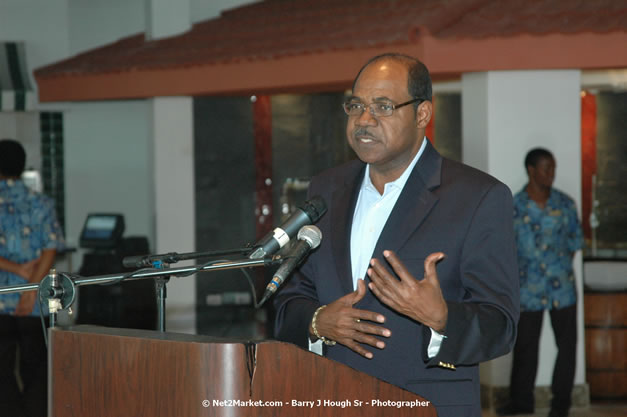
504,115
175,221
108,167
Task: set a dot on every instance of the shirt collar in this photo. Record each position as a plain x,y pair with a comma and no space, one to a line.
400,181
549,202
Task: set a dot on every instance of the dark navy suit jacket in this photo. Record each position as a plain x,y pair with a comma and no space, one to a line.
445,206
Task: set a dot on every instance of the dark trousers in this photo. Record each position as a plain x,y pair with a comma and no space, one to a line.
23,334
525,365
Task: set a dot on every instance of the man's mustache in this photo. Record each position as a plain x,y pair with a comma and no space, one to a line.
362,131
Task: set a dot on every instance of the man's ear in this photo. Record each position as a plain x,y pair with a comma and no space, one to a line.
423,114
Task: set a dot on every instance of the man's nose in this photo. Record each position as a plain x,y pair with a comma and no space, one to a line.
366,119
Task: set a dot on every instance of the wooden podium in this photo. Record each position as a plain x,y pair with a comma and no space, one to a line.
98,371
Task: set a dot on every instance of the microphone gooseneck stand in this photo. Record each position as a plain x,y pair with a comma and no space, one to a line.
173,257
162,291
59,289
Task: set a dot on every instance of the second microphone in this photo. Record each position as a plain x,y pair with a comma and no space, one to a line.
309,237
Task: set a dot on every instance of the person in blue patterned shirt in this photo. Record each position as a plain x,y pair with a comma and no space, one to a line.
548,234
30,236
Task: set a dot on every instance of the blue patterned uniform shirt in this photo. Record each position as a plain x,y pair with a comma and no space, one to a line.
547,239
28,225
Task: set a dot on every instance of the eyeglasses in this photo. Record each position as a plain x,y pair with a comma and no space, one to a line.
382,108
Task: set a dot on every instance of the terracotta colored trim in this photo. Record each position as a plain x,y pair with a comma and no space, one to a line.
334,70
526,52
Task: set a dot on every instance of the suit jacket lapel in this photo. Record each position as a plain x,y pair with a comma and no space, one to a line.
414,203
342,208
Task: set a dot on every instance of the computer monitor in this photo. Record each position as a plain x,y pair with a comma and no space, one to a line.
102,231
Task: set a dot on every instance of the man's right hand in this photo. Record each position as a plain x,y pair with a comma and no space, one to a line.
26,269
349,326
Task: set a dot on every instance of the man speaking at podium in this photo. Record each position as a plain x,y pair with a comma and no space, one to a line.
415,281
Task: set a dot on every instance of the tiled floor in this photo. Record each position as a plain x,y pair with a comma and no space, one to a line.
613,409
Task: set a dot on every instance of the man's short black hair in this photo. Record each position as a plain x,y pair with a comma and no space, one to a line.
418,78
12,158
535,155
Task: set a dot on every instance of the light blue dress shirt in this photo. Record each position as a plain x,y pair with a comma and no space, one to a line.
371,213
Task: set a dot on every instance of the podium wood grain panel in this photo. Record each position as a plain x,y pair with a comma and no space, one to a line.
96,374
606,343
109,372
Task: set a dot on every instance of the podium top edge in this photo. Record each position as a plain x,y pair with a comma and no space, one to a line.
153,334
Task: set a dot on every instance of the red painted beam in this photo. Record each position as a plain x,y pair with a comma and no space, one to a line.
588,156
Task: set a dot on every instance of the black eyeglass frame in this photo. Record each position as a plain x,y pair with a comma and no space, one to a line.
372,112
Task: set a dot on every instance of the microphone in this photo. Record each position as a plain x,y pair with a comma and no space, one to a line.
308,213
309,238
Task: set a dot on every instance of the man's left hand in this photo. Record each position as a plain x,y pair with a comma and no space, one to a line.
26,304
419,300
